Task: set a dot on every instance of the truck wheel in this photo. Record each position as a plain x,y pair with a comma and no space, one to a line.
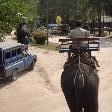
4,78
14,75
32,65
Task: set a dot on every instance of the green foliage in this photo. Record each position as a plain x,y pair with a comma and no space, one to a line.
88,11
40,35
51,46
74,9
13,12
67,9
108,7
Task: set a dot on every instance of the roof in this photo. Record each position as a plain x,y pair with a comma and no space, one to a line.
10,45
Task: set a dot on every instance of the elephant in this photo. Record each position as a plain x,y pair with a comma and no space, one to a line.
80,83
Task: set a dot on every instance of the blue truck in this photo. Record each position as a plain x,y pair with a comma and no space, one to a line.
14,58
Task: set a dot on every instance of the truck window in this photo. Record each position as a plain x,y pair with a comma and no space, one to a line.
8,56
19,51
13,53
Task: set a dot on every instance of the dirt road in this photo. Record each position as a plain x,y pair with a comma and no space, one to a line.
39,90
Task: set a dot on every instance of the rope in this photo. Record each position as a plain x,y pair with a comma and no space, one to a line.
79,70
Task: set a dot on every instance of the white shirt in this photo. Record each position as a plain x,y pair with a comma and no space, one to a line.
79,33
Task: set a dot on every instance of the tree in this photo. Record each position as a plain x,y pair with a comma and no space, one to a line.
13,12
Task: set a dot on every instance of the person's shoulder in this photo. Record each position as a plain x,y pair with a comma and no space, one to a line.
83,29
71,33
73,30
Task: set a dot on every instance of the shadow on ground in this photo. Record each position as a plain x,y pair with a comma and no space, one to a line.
8,81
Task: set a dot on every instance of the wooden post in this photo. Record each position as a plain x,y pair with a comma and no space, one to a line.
47,21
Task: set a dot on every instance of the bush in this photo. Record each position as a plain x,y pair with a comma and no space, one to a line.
39,40
40,36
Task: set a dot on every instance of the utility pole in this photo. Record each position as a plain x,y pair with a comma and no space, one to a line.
47,21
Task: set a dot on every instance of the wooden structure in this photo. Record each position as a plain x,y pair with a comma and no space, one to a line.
93,44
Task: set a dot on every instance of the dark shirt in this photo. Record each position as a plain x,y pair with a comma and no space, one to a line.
23,35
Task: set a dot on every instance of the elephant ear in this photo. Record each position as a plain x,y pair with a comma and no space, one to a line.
79,79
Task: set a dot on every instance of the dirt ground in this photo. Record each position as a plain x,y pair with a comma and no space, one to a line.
39,90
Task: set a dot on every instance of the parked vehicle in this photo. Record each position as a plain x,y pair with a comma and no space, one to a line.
14,58
63,29
53,28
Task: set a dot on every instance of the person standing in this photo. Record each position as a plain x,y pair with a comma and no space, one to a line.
23,35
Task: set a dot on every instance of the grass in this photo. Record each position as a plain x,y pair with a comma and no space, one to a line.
50,46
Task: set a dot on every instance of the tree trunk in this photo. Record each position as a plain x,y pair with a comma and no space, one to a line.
100,23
